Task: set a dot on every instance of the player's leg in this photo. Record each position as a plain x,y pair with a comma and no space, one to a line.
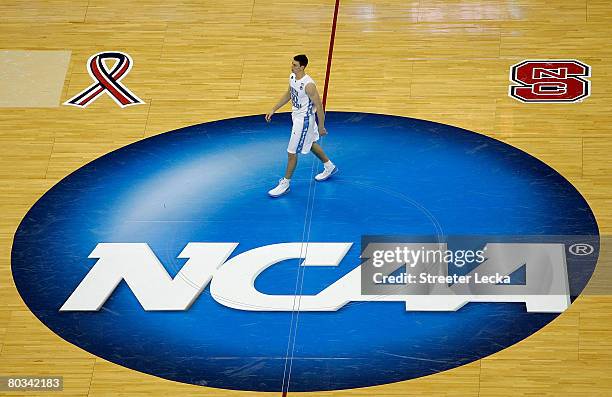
283,183
291,163
297,136
329,168
318,151
309,143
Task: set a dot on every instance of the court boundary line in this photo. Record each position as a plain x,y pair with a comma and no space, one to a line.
306,232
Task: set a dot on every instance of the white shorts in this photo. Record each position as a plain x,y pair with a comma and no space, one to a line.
303,134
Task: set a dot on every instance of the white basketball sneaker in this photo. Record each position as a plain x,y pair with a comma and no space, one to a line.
327,172
282,188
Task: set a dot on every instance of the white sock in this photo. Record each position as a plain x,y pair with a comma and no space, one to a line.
286,180
328,165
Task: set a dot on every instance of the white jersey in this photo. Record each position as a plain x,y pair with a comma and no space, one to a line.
300,102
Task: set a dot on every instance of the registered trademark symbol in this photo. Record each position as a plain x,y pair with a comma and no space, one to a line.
581,249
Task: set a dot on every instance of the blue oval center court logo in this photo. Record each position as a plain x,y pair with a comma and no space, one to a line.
168,256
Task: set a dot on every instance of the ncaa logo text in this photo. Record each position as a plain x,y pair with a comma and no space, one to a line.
232,282
550,81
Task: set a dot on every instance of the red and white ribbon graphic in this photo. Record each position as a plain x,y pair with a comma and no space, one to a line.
107,81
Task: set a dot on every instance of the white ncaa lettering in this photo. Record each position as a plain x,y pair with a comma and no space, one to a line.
233,282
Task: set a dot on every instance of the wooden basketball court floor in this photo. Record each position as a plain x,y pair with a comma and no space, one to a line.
441,60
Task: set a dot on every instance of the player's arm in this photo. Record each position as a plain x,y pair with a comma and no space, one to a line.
284,99
313,94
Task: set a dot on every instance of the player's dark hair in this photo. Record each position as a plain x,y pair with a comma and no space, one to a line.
302,59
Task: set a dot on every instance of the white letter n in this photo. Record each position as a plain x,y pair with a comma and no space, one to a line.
146,276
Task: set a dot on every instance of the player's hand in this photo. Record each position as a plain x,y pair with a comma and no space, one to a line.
322,131
269,116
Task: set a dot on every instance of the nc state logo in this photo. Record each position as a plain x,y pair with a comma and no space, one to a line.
550,81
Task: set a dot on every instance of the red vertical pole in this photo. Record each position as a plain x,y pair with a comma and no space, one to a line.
330,52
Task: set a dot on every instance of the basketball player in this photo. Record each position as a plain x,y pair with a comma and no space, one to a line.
305,101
